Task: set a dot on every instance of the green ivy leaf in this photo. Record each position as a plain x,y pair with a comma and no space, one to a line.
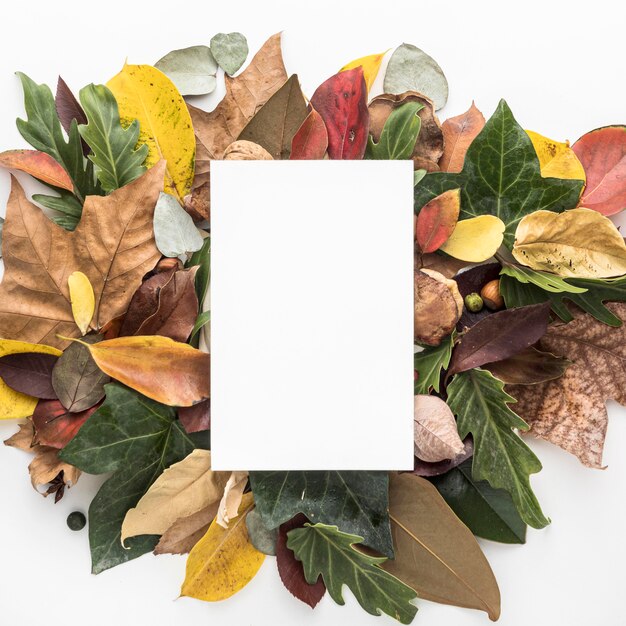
355,501
480,403
326,551
399,134
112,146
501,177
429,363
137,439
487,512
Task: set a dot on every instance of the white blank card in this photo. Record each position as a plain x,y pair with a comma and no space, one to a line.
312,315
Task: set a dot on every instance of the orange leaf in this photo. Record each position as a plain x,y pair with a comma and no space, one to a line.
437,220
458,134
37,164
160,368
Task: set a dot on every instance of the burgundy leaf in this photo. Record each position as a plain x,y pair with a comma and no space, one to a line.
69,109
472,281
311,139
423,468
196,418
500,336
290,569
54,425
342,102
29,373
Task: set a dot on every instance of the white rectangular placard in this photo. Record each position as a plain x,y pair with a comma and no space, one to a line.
312,315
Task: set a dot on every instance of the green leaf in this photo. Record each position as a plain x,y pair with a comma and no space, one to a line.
480,403
42,130
203,319
202,258
399,134
544,280
66,204
595,292
355,501
191,69
417,176
429,363
137,439
229,50
501,177
112,146
326,551
487,512
175,234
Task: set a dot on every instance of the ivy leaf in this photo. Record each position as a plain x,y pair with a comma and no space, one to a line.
489,513
137,439
501,176
429,364
398,136
500,456
326,551
113,147
354,501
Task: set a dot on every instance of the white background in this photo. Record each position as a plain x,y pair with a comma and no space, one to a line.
560,65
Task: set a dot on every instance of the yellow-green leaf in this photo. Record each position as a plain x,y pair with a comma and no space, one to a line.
578,243
82,299
13,404
475,239
556,159
370,64
146,94
224,561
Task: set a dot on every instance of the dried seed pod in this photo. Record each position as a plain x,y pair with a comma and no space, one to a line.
491,295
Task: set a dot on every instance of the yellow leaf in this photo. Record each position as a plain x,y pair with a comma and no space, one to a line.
13,404
146,94
578,243
82,300
224,561
476,239
370,64
556,159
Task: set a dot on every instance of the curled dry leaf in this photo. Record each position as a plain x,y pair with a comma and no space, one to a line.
429,145
435,434
570,411
243,150
185,532
476,239
556,159
311,139
436,309
37,164
602,153
437,219
577,243
231,500
55,426
529,367
458,134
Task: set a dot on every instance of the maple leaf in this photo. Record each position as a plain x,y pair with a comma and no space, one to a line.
113,246
571,411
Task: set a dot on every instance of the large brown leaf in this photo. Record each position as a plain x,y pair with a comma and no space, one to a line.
185,533
113,245
571,410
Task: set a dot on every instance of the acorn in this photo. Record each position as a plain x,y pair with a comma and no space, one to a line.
473,302
491,295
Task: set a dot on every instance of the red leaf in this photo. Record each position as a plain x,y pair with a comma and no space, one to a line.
196,418
29,373
55,426
290,569
342,103
311,139
602,153
437,219
68,109
37,164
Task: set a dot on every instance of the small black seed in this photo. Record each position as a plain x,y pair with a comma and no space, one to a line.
76,521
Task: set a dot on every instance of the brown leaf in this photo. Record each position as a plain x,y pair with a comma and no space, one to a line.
423,468
458,134
435,434
570,411
46,465
529,367
231,500
446,265
429,146
195,418
113,245
185,533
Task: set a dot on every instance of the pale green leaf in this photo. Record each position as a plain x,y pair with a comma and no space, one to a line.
230,51
175,233
191,69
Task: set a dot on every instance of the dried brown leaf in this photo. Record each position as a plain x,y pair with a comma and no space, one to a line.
458,134
185,532
435,434
231,500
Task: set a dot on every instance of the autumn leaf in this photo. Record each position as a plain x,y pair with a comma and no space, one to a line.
341,100
602,153
428,470
436,553
196,418
570,411
82,300
167,371
437,220
231,500
578,243
370,64
311,139
458,134
114,255
224,561
68,109
435,434
556,159
528,367
37,164
55,426
476,239
185,532
145,94
29,373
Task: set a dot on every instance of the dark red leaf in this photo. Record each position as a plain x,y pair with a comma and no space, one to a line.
500,336
196,418
69,109
29,373
311,139
423,468
54,425
290,569
342,102
472,281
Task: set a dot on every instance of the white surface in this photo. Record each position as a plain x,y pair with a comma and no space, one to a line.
312,315
560,65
